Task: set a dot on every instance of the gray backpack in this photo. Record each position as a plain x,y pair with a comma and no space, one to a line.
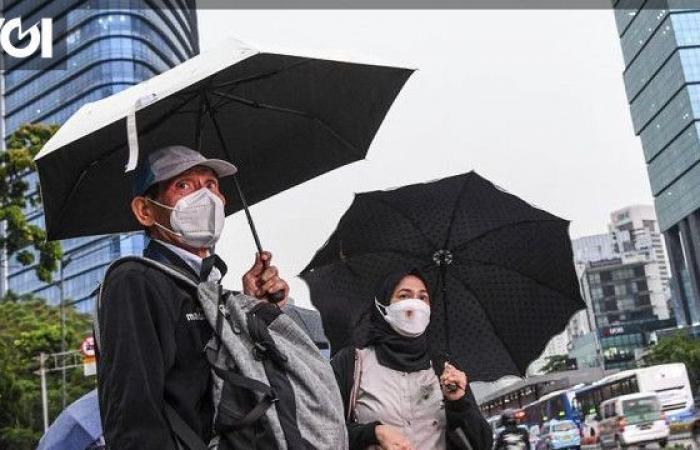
272,388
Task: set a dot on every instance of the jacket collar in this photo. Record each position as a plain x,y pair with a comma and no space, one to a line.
159,252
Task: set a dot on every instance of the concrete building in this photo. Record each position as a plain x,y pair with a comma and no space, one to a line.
626,306
110,45
624,281
634,231
661,51
593,248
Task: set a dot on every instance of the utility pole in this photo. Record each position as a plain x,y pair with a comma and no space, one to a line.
44,395
55,362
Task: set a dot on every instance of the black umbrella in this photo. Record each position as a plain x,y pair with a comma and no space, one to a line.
501,271
281,119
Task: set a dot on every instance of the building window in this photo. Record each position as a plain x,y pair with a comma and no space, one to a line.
608,290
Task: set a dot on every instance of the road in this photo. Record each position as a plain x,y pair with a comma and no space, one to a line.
677,442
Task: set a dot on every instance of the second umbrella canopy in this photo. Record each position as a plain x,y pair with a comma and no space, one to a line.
500,270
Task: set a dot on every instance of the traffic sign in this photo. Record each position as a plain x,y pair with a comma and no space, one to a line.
87,347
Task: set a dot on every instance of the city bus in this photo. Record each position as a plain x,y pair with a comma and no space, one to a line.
669,381
559,405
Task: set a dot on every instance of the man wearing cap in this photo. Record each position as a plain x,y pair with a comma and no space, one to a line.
153,330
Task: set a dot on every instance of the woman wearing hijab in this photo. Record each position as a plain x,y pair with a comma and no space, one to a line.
396,396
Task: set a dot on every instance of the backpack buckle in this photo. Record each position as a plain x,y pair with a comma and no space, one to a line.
259,351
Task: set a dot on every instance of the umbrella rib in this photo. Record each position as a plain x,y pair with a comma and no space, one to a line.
280,109
430,242
348,259
260,76
510,269
494,230
454,213
495,332
109,153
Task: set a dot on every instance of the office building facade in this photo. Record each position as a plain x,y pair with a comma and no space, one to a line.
626,304
110,45
624,281
634,231
661,51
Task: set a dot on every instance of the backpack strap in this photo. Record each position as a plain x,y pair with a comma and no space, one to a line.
252,385
172,272
357,378
183,431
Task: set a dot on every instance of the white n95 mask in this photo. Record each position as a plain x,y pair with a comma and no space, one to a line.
408,317
196,218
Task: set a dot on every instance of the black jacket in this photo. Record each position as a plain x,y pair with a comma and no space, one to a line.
153,332
512,437
464,420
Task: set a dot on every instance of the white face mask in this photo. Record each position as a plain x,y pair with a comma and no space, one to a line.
197,218
408,317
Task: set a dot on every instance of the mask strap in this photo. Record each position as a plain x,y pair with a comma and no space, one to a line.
167,229
381,308
159,204
159,225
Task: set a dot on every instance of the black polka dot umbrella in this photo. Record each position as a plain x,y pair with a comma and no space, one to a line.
500,271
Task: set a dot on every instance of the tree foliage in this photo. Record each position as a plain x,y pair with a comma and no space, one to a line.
21,238
557,363
678,348
28,327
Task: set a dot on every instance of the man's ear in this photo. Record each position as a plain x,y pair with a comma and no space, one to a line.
143,211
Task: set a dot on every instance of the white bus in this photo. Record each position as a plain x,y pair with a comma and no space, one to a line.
669,381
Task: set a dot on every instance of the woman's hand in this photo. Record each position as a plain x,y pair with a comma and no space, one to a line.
391,438
456,378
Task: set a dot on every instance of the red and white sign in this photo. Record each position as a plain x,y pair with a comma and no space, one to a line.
87,348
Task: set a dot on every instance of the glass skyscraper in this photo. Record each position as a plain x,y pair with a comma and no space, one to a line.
661,50
110,45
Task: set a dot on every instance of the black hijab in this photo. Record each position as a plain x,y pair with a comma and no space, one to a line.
394,351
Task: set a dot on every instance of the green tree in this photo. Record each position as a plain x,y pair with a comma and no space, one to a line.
21,238
556,363
28,327
679,348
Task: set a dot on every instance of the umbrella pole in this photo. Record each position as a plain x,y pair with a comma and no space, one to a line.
443,283
277,296
222,141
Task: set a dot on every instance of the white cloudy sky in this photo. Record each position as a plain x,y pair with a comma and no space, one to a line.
532,100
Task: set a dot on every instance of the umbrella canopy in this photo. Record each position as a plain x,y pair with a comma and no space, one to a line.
76,428
501,272
281,118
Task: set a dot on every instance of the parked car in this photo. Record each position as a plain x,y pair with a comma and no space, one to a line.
633,419
559,434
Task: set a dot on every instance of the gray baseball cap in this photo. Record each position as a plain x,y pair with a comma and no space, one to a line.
168,162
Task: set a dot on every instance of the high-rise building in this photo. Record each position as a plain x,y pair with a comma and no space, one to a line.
110,45
634,231
625,307
624,282
661,50
593,248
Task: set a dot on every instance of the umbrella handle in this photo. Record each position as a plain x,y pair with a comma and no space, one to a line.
275,297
